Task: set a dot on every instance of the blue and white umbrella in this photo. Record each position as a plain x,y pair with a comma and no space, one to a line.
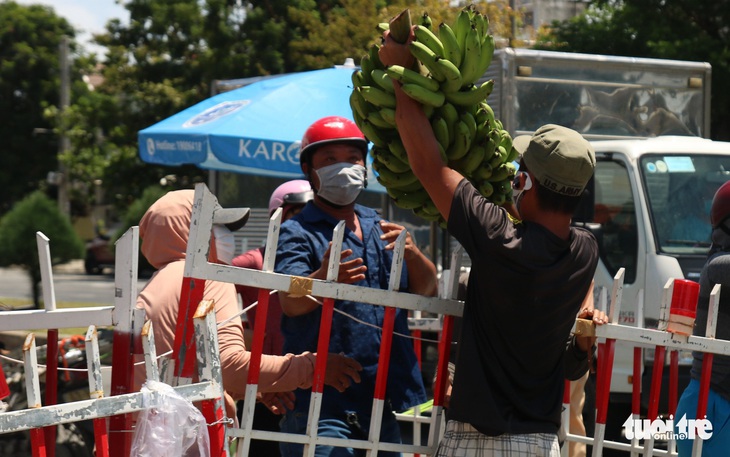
255,129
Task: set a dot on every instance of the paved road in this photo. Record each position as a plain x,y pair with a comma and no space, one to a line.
69,282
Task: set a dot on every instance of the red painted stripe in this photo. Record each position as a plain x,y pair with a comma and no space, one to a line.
381,379
605,375
325,328
707,359
673,380
636,381
442,370
259,331
51,386
656,382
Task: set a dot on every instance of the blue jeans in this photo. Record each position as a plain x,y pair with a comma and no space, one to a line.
718,413
296,422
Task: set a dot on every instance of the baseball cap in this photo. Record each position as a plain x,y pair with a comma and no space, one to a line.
233,218
560,158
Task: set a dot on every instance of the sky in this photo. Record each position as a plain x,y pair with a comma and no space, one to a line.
86,16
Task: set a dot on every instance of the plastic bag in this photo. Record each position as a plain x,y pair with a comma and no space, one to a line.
169,426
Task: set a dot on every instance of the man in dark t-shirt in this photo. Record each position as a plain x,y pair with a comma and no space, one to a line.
530,273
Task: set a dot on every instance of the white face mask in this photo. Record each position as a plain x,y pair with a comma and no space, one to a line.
341,183
225,245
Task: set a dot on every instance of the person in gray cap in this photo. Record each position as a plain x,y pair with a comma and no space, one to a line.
530,272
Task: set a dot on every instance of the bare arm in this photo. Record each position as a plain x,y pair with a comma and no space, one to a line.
438,179
422,278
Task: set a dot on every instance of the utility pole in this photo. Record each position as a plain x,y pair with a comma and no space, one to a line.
513,24
63,142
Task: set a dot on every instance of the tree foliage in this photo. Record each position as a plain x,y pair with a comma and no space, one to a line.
678,30
18,245
29,83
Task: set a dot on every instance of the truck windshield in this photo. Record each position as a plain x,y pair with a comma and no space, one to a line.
679,189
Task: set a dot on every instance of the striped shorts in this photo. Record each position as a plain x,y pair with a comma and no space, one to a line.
463,440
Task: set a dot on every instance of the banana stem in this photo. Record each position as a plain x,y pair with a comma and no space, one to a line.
400,26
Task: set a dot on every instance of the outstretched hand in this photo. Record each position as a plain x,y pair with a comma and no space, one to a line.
585,343
391,231
341,371
350,271
277,402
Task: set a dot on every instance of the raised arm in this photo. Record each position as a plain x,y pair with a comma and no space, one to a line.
415,131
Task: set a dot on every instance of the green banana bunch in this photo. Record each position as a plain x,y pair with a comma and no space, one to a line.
451,60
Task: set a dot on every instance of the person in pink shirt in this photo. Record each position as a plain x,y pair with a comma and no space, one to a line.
164,230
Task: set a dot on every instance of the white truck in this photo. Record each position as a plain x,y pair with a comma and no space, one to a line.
656,172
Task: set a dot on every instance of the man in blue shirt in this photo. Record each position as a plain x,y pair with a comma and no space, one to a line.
333,159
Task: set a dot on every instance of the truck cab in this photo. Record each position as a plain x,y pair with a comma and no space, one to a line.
648,206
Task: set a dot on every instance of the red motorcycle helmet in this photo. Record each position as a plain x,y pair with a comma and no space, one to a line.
720,209
331,129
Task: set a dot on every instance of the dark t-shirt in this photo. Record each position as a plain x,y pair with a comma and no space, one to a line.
524,292
715,271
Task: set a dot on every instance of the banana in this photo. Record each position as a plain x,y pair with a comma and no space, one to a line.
440,131
503,172
358,79
498,157
503,187
382,27
427,57
377,97
461,143
451,115
461,28
472,95
471,161
505,140
512,155
491,148
485,188
384,156
395,146
358,104
452,51
451,73
472,55
483,172
498,198
375,56
382,80
408,76
427,37
487,54
388,115
409,200
470,122
482,23
429,207
366,67
423,95
373,134
485,113
392,179
377,120
426,20
420,212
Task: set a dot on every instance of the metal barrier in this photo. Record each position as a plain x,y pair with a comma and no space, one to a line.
196,336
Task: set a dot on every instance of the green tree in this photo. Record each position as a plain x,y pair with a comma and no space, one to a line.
18,245
29,83
679,30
